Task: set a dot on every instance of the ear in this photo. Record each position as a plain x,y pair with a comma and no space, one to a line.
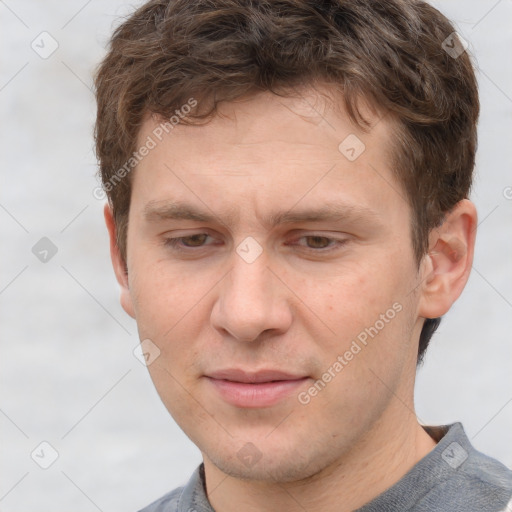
120,267
447,265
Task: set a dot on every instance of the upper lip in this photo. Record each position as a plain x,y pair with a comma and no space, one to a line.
239,375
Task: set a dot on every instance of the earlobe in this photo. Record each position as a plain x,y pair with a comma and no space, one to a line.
447,265
118,263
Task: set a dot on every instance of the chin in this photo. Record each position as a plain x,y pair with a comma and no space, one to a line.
270,465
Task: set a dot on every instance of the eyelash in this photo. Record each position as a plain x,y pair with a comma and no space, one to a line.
174,243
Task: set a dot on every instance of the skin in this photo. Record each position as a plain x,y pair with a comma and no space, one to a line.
296,308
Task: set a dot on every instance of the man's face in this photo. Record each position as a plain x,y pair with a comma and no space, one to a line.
264,291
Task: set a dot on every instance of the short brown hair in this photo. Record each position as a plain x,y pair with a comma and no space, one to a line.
389,52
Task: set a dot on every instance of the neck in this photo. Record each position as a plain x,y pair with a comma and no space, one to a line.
379,460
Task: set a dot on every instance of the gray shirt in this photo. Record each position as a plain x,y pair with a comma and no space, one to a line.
453,477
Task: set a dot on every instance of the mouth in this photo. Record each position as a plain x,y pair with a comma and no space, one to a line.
264,388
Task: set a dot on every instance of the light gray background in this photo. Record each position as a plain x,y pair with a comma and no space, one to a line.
69,376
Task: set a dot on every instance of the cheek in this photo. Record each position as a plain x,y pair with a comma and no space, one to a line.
159,295
169,309
366,300
348,299
179,395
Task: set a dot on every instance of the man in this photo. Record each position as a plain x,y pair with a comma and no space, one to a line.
289,219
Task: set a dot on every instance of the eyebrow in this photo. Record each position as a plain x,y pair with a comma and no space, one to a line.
155,211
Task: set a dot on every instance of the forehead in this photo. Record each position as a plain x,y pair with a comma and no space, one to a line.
267,150
308,115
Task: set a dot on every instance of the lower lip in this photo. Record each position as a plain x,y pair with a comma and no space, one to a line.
263,394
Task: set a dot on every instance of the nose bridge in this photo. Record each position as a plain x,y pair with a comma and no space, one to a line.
248,303
249,281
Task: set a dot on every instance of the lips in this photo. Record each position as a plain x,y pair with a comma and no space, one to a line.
237,375
263,388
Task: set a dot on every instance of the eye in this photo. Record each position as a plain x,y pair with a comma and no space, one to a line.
187,242
318,243
314,243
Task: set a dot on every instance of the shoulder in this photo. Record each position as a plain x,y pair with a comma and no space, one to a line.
167,503
481,482
191,496
453,477
473,481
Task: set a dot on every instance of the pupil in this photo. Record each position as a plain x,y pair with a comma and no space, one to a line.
317,240
195,238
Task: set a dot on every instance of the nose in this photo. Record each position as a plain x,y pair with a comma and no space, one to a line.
252,302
